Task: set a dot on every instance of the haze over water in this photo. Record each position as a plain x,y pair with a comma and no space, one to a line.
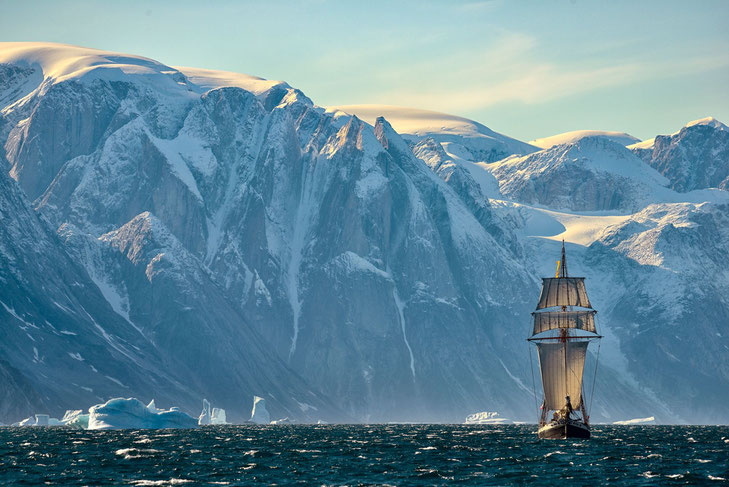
364,455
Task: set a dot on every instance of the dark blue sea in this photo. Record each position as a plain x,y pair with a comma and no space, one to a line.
365,455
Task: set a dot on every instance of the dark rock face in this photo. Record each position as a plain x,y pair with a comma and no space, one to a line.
696,157
62,343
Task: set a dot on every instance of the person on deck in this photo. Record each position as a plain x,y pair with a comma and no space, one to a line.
567,409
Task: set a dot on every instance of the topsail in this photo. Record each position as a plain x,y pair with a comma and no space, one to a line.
553,320
563,291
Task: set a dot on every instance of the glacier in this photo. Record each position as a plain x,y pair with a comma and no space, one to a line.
180,233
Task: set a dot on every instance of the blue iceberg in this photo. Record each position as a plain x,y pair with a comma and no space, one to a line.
131,413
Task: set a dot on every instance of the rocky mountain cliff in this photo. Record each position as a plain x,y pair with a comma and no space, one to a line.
695,157
242,240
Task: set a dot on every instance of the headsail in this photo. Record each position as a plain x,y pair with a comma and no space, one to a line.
562,376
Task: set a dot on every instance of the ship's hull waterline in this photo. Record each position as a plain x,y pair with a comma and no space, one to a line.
561,431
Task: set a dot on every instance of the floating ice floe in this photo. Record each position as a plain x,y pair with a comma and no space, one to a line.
211,416
485,417
132,413
637,421
37,420
259,414
73,419
281,421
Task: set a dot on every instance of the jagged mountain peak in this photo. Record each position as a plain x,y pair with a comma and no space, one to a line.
695,157
709,121
605,174
701,122
479,141
388,137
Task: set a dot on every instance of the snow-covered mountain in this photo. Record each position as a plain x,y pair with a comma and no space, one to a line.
241,240
570,137
695,157
644,247
461,135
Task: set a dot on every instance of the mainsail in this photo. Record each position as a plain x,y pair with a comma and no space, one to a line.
562,376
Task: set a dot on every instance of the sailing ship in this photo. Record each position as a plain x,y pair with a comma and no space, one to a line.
563,326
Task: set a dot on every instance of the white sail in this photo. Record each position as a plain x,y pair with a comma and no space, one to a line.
562,376
563,291
553,320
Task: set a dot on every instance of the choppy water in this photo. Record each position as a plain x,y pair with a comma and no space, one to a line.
364,455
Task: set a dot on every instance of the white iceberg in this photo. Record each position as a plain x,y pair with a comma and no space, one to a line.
132,413
38,420
76,418
485,417
152,408
259,414
205,415
281,421
218,416
211,416
650,419
26,422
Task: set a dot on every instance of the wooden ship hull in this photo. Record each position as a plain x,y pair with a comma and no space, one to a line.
562,430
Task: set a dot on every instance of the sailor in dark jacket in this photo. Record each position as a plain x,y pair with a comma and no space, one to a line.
567,409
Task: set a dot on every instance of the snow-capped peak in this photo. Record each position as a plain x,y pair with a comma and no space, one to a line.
60,62
568,137
209,79
710,121
707,121
479,141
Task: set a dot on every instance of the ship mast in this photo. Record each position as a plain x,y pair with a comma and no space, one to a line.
563,305
564,332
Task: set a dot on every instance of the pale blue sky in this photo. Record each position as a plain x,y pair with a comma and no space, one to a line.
526,69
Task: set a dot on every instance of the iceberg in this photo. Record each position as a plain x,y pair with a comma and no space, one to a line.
76,419
152,407
38,420
211,416
205,415
281,421
132,413
26,422
650,419
218,416
259,414
485,417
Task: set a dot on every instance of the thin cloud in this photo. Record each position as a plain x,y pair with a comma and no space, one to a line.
504,75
